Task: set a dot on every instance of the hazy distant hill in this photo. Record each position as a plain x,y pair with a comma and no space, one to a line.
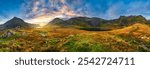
17,22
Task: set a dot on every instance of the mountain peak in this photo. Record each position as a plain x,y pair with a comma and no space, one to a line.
16,18
56,21
129,20
17,22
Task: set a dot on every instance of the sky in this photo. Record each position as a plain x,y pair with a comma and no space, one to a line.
43,11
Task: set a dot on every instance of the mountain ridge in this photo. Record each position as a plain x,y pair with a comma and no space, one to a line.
87,22
17,22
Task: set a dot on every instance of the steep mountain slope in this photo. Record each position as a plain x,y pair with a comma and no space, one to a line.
17,22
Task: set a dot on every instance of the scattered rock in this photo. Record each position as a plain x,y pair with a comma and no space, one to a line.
43,34
23,33
8,34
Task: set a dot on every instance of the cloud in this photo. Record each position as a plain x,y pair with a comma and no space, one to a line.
42,11
135,7
114,10
39,11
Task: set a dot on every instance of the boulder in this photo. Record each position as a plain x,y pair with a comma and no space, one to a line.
8,34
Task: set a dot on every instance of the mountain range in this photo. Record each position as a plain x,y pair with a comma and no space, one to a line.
99,23
78,34
85,23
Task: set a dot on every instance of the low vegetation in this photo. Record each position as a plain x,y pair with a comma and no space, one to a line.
134,38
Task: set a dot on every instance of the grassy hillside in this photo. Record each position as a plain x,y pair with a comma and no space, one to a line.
134,38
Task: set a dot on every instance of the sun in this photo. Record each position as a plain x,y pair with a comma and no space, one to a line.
43,20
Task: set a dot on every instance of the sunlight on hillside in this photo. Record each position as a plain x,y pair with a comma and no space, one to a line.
129,39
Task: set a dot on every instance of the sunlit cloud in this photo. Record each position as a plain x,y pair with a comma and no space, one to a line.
43,20
43,11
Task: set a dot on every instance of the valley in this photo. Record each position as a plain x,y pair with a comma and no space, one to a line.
130,37
135,38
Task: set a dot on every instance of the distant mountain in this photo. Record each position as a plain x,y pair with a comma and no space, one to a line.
78,21
130,20
85,22
56,21
17,22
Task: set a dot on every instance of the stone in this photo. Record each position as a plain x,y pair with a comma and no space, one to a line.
8,34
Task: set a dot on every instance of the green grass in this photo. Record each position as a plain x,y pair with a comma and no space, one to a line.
94,29
136,42
80,43
53,41
4,50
